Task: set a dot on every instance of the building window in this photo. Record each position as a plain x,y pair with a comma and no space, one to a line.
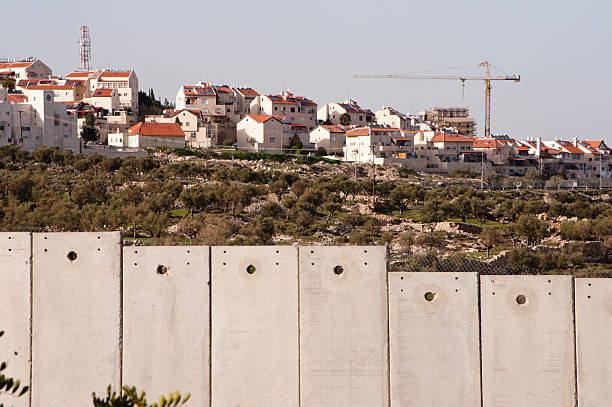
275,108
25,128
272,139
293,110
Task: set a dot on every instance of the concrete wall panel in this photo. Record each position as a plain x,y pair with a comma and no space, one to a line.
343,327
166,321
527,341
594,341
76,317
255,327
15,252
434,339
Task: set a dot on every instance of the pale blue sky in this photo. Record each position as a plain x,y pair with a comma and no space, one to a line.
560,48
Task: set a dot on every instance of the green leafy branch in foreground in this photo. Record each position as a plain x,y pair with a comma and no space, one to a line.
9,385
131,398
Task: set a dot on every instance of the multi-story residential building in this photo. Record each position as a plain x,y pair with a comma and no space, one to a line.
331,137
388,116
331,113
436,151
125,81
263,133
198,132
293,109
244,98
36,120
216,101
105,98
30,68
63,91
497,150
378,145
202,97
457,118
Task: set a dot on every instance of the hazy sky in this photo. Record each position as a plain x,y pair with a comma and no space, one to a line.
561,49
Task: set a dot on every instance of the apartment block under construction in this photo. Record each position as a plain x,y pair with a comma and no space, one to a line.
457,117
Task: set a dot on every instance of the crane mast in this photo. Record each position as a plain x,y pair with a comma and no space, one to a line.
486,79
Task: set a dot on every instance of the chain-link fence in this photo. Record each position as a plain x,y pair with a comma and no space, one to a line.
524,261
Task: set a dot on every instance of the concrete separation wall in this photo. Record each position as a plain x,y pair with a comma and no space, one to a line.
343,327
594,341
434,339
15,253
527,341
292,327
255,326
76,317
166,321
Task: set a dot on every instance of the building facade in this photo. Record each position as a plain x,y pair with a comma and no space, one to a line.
331,113
294,109
263,133
37,122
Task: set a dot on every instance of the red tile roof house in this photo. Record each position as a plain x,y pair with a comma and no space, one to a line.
143,135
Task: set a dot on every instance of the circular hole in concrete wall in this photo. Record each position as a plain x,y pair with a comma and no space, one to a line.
338,270
429,296
72,256
521,299
251,269
161,269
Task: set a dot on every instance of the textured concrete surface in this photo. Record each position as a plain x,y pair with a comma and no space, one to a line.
343,327
527,349
254,327
594,341
76,317
434,339
166,321
15,252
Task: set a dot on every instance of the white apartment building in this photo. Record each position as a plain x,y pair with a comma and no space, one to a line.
263,133
390,117
331,112
30,68
105,98
331,137
378,145
37,122
202,97
125,81
294,109
64,90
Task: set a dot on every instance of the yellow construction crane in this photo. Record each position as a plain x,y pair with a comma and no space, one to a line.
487,81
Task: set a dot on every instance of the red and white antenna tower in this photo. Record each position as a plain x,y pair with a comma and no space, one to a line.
85,49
